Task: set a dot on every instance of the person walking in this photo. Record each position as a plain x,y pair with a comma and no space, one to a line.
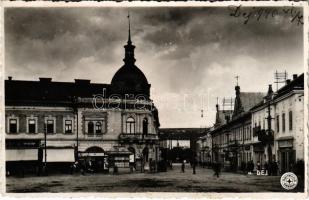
183,166
194,165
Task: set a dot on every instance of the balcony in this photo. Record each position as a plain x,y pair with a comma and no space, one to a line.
256,130
137,138
265,137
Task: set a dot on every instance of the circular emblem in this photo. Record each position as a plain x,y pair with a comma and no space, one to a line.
289,181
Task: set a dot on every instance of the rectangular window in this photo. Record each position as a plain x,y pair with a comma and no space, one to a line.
68,126
31,126
98,127
290,120
13,126
283,122
278,123
50,126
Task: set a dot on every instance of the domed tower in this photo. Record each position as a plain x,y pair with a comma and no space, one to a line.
129,79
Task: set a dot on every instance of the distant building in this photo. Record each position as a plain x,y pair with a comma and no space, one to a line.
204,149
107,124
231,140
282,139
177,144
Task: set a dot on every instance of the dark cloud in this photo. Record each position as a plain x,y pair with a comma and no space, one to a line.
179,49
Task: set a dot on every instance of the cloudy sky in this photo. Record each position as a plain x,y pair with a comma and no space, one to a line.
189,55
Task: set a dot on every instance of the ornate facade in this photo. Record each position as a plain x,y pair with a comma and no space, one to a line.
109,124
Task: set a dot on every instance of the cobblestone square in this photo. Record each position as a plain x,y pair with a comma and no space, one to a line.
171,181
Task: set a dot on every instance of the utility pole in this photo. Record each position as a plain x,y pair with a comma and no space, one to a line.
45,147
269,129
75,109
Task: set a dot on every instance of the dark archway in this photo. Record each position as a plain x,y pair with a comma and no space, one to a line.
94,149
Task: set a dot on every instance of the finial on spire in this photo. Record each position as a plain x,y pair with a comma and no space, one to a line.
129,37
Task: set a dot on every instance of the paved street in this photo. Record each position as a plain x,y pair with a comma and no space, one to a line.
171,181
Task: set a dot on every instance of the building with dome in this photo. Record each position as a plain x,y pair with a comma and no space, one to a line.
55,124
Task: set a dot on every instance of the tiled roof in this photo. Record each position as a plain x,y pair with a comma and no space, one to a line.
250,99
48,91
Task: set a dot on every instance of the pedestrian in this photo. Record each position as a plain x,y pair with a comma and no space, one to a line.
217,169
276,168
183,166
194,162
266,167
258,164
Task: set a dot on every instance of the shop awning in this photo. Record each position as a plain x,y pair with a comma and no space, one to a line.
21,154
87,154
59,155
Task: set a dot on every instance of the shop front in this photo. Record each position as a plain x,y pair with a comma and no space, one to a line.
95,159
286,154
22,156
57,158
259,155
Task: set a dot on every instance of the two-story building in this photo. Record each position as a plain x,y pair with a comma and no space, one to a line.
278,124
57,123
231,141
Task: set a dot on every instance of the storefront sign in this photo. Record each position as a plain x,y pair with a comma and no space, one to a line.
285,143
20,144
86,154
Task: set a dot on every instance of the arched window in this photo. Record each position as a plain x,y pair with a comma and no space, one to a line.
145,126
130,125
90,128
98,127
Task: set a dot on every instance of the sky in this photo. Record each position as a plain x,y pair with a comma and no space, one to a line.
190,56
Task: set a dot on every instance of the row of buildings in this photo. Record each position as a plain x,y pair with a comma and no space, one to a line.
263,128
58,123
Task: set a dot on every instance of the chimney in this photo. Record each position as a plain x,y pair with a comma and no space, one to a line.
82,81
10,78
294,76
45,80
288,81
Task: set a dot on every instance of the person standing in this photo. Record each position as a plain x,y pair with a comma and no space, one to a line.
217,169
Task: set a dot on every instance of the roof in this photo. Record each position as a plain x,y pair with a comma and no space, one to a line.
49,91
221,114
296,84
182,133
250,99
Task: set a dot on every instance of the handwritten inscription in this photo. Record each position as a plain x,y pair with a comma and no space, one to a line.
254,13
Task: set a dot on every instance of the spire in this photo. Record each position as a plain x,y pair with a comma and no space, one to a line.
129,59
238,108
237,77
129,35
